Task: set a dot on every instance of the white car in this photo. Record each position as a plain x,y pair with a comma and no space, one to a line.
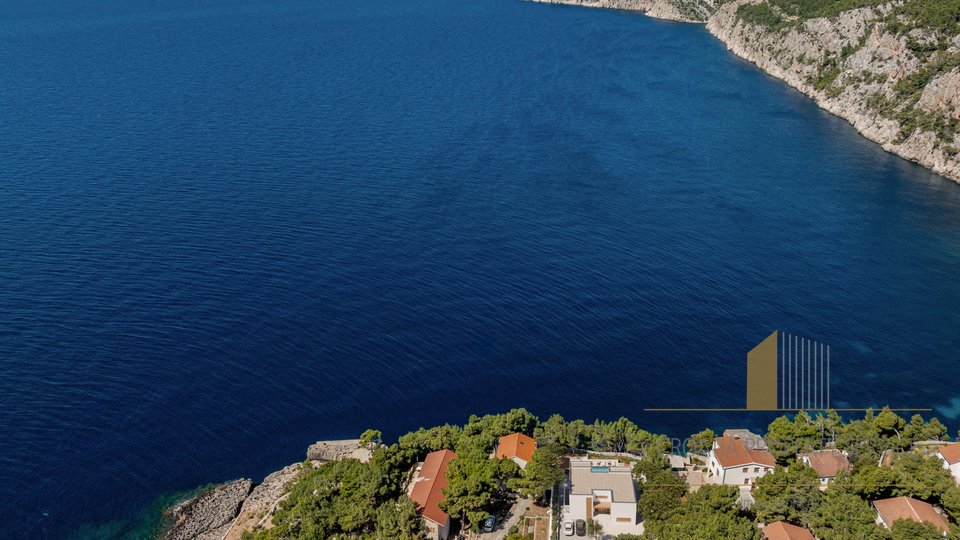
568,528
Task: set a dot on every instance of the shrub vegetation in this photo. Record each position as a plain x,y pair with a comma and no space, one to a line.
353,500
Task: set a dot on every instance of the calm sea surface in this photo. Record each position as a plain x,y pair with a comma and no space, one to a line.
230,228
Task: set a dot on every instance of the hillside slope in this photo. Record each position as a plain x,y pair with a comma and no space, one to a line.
892,69
673,10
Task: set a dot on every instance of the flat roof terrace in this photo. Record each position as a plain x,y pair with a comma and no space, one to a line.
588,476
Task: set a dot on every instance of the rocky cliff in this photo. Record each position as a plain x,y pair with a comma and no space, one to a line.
323,451
228,510
208,515
892,69
674,10
258,508
897,83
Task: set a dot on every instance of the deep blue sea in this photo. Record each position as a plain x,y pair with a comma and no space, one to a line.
230,228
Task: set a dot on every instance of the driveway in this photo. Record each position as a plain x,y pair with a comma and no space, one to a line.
517,510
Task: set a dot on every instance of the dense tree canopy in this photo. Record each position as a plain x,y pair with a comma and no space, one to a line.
620,435
559,432
337,498
787,438
353,500
911,474
918,430
702,442
709,514
844,516
474,480
863,439
423,441
660,495
543,472
787,494
904,529
398,520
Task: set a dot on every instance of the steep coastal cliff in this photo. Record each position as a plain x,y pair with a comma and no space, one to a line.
673,10
227,511
892,69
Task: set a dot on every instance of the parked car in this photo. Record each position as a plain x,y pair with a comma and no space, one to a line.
581,527
489,524
568,528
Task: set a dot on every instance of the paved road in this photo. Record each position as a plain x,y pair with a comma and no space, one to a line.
517,510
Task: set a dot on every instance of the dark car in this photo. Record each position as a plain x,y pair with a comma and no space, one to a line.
489,524
581,527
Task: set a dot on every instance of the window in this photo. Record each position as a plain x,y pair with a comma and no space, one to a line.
756,469
746,469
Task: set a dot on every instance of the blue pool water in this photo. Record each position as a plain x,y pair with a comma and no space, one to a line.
230,228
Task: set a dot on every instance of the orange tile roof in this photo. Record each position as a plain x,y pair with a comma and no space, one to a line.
780,530
951,453
909,508
516,445
429,483
732,452
828,463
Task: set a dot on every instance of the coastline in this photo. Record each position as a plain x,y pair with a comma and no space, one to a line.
227,256
498,467
658,9
786,64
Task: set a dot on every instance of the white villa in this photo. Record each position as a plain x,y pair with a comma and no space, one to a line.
731,462
603,490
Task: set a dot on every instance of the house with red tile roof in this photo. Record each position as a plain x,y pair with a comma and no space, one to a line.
891,510
827,463
426,491
749,438
950,455
781,530
732,462
518,447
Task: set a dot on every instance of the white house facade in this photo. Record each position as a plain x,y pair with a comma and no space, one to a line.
603,490
732,463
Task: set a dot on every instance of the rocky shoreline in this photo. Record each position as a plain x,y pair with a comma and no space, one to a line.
695,11
496,465
226,511
209,514
850,65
